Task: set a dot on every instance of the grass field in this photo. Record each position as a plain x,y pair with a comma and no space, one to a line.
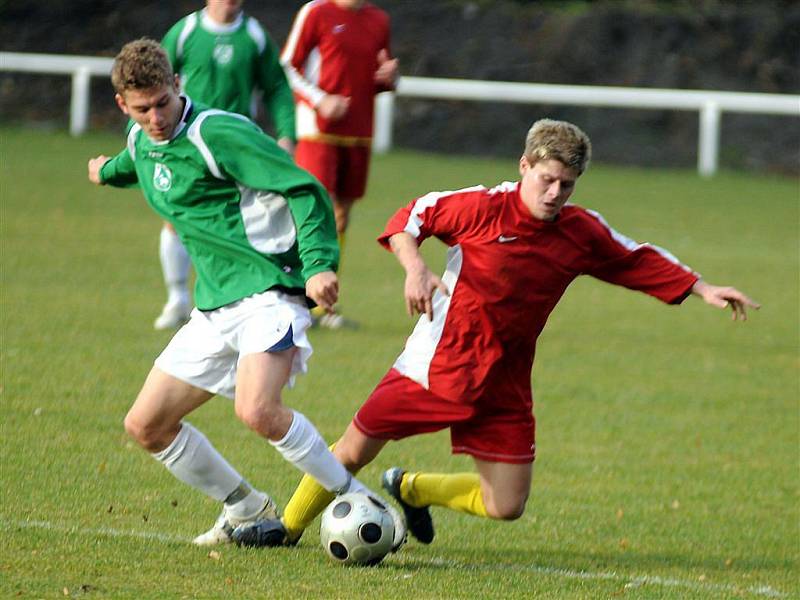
668,438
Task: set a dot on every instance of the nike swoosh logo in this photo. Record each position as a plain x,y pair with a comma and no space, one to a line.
503,239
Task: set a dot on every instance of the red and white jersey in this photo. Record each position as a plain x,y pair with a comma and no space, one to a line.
334,50
506,271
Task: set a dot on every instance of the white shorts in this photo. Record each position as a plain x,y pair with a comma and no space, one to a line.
206,351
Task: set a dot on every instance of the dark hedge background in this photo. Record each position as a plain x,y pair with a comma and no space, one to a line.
734,46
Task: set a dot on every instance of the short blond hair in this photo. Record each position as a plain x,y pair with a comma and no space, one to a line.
141,65
559,140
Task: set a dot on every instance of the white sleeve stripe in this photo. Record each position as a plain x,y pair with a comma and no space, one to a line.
427,201
132,140
188,27
256,33
294,34
296,80
632,246
196,138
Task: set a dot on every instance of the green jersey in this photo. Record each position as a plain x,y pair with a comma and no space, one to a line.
250,219
221,65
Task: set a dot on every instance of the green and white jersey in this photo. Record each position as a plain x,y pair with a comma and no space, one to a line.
221,65
250,219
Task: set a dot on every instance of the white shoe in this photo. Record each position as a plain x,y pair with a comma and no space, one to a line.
172,316
336,321
221,532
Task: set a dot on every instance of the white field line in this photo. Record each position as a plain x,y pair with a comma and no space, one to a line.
630,582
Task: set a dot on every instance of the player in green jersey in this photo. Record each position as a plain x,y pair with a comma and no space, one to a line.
262,237
225,59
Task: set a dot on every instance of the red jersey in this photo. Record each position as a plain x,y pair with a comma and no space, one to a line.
506,271
334,50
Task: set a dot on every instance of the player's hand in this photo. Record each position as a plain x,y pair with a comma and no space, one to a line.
386,74
323,288
723,297
95,164
333,107
419,288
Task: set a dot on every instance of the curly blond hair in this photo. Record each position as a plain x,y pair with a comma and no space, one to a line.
548,139
141,65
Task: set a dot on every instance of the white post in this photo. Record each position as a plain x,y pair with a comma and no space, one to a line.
79,106
708,140
384,117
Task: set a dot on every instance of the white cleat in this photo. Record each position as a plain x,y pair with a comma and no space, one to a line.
173,316
222,531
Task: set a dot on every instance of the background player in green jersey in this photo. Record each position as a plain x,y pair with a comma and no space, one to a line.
225,59
261,234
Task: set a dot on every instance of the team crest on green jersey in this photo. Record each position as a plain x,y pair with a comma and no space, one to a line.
162,178
223,53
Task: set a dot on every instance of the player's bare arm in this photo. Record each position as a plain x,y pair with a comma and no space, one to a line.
421,282
95,164
323,288
725,296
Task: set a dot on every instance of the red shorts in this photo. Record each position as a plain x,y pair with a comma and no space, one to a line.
341,169
400,407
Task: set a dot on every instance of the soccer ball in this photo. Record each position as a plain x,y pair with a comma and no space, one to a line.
356,529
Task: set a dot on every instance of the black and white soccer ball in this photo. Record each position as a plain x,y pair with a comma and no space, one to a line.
356,529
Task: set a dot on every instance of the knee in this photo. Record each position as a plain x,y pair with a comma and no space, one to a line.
508,509
351,458
264,420
150,436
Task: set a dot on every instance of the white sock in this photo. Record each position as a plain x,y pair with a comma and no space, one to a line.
175,265
304,447
192,459
244,501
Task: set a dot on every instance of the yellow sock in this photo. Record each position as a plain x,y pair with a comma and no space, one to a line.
308,500
457,491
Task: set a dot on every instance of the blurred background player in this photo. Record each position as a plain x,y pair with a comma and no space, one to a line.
261,234
513,251
225,59
337,58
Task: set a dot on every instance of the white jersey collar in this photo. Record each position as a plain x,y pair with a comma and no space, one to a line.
210,25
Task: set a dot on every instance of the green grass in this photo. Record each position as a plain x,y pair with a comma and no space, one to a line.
667,437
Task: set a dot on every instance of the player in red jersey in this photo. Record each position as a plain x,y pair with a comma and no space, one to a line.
337,58
513,250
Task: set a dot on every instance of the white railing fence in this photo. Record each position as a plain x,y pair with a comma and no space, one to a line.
709,104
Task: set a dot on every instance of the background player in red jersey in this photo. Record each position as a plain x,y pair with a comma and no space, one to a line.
514,249
337,58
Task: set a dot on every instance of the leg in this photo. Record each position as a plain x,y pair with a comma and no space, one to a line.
155,417
175,265
341,211
505,488
260,378
354,451
155,422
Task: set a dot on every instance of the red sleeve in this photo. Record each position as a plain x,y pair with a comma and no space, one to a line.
302,39
387,46
446,215
619,260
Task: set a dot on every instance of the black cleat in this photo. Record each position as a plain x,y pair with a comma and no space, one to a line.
418,519
265,533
